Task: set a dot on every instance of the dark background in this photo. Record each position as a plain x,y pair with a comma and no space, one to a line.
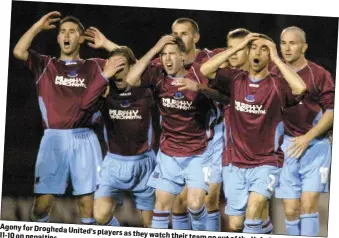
138,28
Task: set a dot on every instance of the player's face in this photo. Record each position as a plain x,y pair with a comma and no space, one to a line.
292,46
238,59
172,59
69,38
120,77
187,34
259,55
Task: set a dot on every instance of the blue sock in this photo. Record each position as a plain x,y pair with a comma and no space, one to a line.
253,226
87,220
160,219
267,226
181,221
213,221
293,227
198,218
309,224
113,222
33,218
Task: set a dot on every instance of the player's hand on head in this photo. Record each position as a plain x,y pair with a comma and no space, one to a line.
273,49
114,65
298,146
167,39
47,22
187,84
247,40
95,37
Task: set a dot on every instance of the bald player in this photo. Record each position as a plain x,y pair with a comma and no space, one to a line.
306,144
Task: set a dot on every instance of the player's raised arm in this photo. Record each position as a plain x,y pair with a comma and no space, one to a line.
134,75
296,83
98,40
45,23
210,67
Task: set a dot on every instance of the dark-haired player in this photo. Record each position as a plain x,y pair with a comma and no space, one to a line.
254,157
67,89
183,158
188,30
306,145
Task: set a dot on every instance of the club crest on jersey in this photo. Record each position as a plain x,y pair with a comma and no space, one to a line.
249,98
72,74
125,104
178,95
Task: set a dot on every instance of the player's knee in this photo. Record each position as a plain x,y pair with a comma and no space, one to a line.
292,213
308,206
180,205
253,211
212,202
195,202
86,206
101,216
42,206
235,226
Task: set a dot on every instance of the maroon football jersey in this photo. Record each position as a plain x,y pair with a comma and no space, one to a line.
255,120
300,119
67,90
185,116
128,121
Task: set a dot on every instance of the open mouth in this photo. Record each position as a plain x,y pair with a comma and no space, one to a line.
66,44
256,62
169,65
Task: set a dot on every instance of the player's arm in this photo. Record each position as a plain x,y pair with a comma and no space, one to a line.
98,40
45,23
294,81
210,67
98,86
326,88
134,75
215,95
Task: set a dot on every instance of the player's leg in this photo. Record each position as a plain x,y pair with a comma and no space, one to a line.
263,180
315,165
267,225
51,173
115,176
212,206
144,195
236,195
289,189
197,174
84,169
212,199
180,217
103,211
42,206
168,181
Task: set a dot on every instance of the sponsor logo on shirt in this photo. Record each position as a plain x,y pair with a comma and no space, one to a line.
178,104
70,82
253,85
125,104
249,98
124,114
244,107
